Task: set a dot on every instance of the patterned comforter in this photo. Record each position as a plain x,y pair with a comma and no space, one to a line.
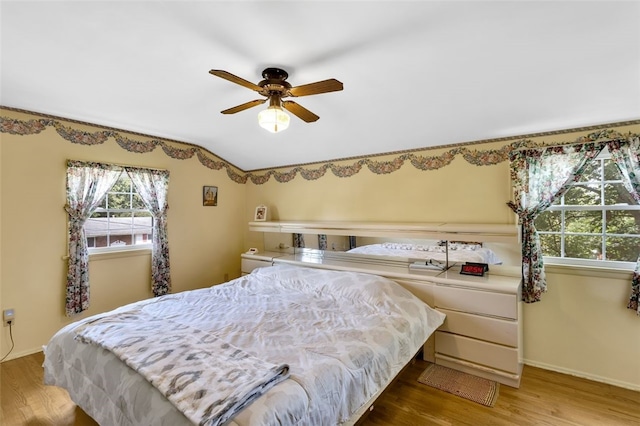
344,335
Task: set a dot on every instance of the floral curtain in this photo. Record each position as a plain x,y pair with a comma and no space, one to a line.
87,185
153,187
298,240
352,242
627,158
322,241
539,176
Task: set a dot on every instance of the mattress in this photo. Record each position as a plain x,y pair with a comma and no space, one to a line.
343,335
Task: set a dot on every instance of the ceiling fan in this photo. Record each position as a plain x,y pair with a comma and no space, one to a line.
274,88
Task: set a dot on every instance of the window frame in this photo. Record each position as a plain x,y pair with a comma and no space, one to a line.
122,248
559,206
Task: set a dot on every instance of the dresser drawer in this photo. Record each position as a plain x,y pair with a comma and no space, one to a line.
495,330
488,354
476,301
248,265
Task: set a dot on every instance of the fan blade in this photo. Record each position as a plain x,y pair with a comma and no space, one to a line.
299,111
244,106
235,79
331,85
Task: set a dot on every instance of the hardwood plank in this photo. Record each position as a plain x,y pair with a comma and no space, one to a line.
25,400
544,398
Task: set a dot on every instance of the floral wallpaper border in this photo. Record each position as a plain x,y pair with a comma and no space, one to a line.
476,157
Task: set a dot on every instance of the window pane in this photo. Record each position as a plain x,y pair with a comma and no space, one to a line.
551,245
592,172
103,204
583,195
120,229
583,221
119,201
109,228
623,222
96,228
623,249
549,221
611,171
137,203
583,247
123,184
96,225
142,224
121,214
616,193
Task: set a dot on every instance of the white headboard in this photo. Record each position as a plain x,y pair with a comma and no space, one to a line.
498,233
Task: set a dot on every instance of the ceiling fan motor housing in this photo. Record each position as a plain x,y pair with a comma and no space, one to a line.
274,82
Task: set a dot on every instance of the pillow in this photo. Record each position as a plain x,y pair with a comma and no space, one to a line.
408,246
461,245
467,243
464,246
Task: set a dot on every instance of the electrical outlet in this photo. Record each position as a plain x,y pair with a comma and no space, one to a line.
9,316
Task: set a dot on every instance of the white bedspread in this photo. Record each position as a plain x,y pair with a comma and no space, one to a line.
343,335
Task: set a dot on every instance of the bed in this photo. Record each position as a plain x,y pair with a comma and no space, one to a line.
458,252
327,342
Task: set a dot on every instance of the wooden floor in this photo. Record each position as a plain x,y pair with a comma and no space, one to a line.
544,398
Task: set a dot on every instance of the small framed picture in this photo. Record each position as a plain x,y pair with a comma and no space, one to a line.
261,214
209,195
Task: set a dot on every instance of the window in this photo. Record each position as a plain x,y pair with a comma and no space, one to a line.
596,222
121,221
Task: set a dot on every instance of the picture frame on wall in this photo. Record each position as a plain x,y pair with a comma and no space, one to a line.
209,195
261,214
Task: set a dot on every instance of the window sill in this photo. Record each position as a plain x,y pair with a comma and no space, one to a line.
588,271
114,254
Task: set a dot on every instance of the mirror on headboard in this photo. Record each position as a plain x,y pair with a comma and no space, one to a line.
486,243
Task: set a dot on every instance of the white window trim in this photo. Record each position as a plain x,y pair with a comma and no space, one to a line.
103,253
554,265
604,264
566,263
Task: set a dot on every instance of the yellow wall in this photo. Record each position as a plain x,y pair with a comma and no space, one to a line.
205,242
581,326
407,195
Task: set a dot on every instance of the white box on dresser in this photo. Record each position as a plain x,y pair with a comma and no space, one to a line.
251,261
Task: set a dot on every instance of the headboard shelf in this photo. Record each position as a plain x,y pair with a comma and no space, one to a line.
481,232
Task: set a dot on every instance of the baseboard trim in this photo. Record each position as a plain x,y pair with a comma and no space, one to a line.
23,353
582,374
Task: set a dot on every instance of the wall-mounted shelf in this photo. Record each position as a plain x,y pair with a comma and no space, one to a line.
498,233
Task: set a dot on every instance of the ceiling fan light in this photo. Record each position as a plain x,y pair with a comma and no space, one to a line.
273,119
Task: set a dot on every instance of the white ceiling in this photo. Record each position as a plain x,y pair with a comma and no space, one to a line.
416,73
